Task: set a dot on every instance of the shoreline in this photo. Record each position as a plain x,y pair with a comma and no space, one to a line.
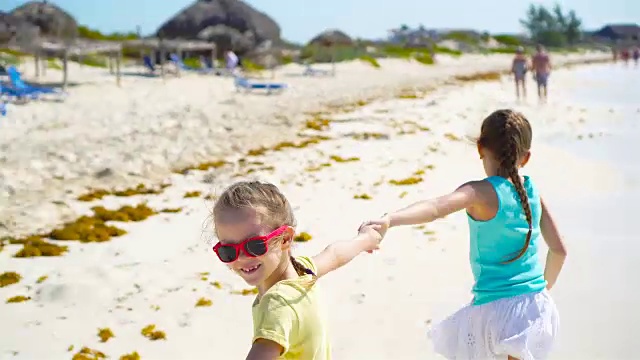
25,212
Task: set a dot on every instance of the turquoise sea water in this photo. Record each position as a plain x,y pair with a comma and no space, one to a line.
597,292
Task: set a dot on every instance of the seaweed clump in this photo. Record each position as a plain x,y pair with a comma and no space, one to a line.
192,194
88,354
35,246
94,228
202,167
245,292
202,302
140,189
340,159
133,356
318,123
151,333
9,278
483,76
18,299
302,237
105,334
408,181
363,196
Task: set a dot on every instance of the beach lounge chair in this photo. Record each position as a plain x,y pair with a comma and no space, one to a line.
18,84
182,66
13,93
244,83
310,71
146,60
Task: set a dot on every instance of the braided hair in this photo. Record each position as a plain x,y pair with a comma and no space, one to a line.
507,135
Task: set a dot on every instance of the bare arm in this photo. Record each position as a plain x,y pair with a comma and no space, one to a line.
263,349
340,253
426,211
557,252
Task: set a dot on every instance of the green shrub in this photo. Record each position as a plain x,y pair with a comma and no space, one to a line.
446,50
192,62
505,50
462,36
93,60
371,60
425,59
52,64
508,40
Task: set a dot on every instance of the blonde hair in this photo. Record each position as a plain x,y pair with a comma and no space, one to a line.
507,135
267,200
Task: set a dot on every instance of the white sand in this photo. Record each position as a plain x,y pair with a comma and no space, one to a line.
380,304
51,152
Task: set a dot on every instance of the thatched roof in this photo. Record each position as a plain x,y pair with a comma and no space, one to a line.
331,37
170,45
52,20
14,29
75,48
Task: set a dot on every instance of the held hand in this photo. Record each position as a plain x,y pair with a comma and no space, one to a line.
372,237
384,223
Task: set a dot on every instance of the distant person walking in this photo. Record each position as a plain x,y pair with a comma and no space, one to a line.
541,70
636,54
231,61
519,68
624,55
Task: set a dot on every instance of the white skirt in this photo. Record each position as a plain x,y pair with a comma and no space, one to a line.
523,326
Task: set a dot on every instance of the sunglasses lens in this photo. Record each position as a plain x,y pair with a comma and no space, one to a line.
227,253
256,247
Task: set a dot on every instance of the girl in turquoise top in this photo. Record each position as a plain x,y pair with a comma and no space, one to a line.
512,314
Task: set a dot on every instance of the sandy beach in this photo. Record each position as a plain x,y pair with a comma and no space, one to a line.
103,136
381,304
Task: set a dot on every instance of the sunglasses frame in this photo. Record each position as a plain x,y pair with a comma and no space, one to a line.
242,246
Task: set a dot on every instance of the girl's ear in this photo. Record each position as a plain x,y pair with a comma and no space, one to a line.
287,238
525,159
480,150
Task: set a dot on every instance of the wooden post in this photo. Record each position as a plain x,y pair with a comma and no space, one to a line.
110,58
65,68
333,61
118,65
179,54
213,56
45,63
37,61
163,55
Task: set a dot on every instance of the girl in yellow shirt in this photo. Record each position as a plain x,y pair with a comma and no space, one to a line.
255,225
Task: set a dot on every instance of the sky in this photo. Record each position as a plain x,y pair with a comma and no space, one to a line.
301,20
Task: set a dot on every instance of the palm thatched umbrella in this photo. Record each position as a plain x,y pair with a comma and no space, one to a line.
14,29
331,39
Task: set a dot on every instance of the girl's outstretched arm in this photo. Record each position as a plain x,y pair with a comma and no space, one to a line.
557,252
426,211
263,349
340,253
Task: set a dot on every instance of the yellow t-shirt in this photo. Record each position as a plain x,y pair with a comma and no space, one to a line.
291,314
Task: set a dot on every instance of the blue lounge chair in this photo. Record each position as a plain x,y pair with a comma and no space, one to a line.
22,87
310,71
244,83
13,93
182,66
149,64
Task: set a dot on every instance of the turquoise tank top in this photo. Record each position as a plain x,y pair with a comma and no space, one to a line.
500,239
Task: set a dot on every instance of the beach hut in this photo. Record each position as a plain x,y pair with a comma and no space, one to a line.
165,46
332,39
43,49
